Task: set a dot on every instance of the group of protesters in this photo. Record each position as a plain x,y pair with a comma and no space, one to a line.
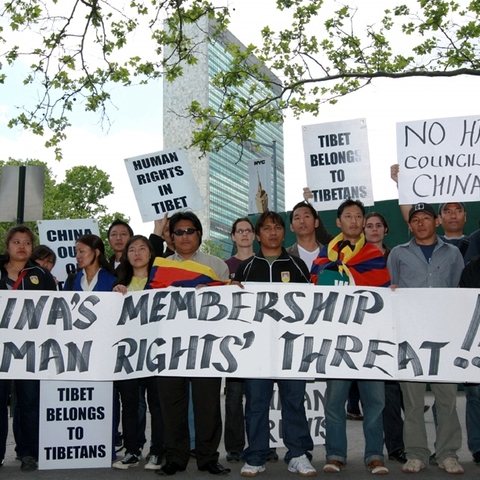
393,412
186,412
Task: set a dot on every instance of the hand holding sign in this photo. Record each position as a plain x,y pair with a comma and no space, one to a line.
163,183
337,163
439,160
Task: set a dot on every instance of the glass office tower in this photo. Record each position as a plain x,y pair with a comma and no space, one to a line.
222,177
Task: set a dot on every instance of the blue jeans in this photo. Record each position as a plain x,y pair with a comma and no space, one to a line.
353,405
295,431
472,417
372,395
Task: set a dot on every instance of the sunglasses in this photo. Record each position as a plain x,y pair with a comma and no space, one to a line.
188,231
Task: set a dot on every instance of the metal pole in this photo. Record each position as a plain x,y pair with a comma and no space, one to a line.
275,193
21,194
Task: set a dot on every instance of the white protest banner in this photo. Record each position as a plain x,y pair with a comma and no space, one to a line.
60,236
337,163
439,160
163,182
259,185
262,331
314,408
75,425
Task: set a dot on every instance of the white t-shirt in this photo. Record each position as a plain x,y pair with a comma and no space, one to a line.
308,257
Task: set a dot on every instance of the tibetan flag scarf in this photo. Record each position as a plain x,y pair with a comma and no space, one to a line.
363,265
172,273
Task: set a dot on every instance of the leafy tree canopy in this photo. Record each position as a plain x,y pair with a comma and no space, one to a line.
78,196
329,50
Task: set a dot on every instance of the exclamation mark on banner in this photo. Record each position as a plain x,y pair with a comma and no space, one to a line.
469,338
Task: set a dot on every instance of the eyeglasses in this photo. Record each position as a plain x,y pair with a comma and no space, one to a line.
241,231
188,231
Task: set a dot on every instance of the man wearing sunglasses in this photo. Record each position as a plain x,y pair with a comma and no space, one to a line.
186,231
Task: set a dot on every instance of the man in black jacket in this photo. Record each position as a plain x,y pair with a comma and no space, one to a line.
274,264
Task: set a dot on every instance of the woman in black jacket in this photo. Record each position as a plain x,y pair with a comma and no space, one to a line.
19,272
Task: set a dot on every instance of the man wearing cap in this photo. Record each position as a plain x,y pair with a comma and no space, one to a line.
452,216
427,261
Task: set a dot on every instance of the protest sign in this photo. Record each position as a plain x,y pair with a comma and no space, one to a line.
262,331
163,183
337,163
75,425
60,236
259,185
314,409
439,160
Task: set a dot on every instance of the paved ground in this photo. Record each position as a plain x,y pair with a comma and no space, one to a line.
355,469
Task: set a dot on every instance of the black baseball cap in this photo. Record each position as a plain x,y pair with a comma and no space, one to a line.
422,207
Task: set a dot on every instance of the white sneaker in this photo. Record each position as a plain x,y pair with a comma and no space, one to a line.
451,465
302,466
251,470
413,466
154,463
130,460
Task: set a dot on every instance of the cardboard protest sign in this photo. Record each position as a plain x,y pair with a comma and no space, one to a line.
337,163
439,160
259,185
75,425
262,331
163,182
60,236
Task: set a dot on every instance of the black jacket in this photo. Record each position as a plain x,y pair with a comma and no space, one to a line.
471,274
285,269
36,278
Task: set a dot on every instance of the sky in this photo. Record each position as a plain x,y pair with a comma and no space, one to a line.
136,122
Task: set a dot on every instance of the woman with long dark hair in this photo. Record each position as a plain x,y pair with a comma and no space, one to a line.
133,273
19,272
94,272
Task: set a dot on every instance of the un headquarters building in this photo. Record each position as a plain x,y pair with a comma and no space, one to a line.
222,177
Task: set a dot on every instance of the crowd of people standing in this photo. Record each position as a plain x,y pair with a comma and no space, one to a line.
392,412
